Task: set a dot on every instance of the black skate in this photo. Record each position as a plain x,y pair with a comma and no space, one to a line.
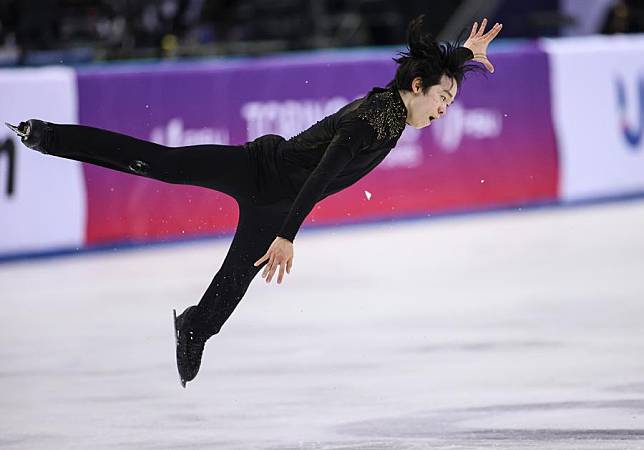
190,345
34,133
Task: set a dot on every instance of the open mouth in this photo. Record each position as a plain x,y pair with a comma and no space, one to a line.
431,119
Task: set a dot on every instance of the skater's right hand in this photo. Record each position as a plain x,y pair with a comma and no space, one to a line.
477,42
279,254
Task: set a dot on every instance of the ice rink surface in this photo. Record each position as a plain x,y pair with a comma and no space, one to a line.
510,330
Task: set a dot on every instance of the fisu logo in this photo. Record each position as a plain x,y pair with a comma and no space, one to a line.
632,134
477,123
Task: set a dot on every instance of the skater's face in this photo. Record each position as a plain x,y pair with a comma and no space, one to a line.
425,107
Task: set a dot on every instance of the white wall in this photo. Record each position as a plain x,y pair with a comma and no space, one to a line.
47,208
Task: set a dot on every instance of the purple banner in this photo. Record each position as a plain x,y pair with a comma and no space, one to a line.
495,147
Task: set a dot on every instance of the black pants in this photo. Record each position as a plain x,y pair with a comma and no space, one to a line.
226,169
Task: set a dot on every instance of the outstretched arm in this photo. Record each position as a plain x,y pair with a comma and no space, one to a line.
351,136
477,42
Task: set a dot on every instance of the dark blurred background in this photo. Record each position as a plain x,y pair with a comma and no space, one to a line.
34,32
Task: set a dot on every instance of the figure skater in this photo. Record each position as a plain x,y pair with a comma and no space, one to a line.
276,182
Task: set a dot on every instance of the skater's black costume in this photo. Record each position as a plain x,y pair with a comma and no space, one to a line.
276,182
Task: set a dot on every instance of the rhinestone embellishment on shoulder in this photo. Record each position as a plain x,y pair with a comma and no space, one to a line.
386,113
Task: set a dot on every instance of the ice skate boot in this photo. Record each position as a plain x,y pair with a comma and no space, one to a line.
190,345
34,133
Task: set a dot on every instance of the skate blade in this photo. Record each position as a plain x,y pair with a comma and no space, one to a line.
176,340
16,130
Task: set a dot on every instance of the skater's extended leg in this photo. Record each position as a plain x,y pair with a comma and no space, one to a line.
257,228
220,167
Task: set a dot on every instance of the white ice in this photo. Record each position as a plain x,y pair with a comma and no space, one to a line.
508,330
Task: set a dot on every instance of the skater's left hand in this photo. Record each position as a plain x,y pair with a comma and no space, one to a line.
477,42
279,255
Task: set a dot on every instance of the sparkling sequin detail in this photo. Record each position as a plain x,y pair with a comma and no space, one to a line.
385,112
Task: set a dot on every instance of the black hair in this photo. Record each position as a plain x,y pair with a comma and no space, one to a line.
429,60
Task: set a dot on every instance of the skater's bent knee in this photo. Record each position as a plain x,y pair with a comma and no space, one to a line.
140,167
157,170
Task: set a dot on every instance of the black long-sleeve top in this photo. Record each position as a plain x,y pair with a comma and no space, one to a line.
329,156
332,154
339,150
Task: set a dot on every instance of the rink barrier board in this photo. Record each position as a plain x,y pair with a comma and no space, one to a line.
108,204
491,149
600,122
42,199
